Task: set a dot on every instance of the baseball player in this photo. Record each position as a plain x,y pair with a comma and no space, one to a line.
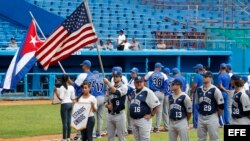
115,103
196,84
124,78
99,91
157,84
177,75
180,109
144,105
241,103
223,84
88,76
131,86
211,105
167,93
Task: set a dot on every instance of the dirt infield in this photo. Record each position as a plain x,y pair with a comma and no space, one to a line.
38,138
24,102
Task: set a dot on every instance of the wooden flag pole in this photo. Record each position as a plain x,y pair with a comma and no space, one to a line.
59,63
98,52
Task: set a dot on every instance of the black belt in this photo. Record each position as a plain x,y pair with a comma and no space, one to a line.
115,113
137,117
235,117
207,114
176,119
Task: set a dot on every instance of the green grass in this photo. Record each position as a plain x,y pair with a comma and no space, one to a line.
35,120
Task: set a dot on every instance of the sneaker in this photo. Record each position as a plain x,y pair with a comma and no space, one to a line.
98,135
69,139
156,130
130,132
94,135
77,138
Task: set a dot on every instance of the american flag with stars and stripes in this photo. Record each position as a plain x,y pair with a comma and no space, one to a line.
75,32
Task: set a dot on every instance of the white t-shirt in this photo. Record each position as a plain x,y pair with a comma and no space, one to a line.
90,99
246,86
126,46
121,38
67,94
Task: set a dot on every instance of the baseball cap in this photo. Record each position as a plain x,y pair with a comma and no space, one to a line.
176,82
245,78
95,72
229,66
135,70
175,70
166,70
86,63
236,77
117,73
139,79
223,66
12,38
158,65
199,66
207,74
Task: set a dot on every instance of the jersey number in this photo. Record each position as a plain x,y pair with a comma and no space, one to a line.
157,81
236,111
178,114
117,102
207,107
137,109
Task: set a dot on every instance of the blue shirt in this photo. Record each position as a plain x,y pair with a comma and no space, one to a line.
183,80
198,79
156,80
98,87
168,91
224,79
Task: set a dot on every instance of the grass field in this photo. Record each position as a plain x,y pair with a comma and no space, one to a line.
36,120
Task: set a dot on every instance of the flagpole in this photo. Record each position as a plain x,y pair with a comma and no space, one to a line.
59,63
98,52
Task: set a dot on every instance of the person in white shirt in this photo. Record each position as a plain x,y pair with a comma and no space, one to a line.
86,97
109,45
66,94
126,45
101,45
121,40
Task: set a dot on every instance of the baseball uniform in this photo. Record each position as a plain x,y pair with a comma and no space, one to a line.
179,107
141,104
209,101
241,108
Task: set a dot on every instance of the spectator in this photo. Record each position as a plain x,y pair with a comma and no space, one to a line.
167,19
175,22
109,45
12,43
134,45
126,45
121,40
161,45
101,45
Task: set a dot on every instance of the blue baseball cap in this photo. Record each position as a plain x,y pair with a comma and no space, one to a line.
158,65
223,66
135,70
117,73
166,70
117,68
177,82
207,74
229,66
198,66
95,72
86,63
175,70
245,78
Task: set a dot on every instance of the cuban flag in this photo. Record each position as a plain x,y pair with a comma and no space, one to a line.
23,60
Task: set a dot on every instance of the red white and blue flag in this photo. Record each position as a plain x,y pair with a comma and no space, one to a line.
74,33
23,60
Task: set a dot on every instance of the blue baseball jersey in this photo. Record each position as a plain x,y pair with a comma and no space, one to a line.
99,88
198,79
224,79
241,105
209,100
157,80
89,77
142,103
183,80
179,106
167,90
